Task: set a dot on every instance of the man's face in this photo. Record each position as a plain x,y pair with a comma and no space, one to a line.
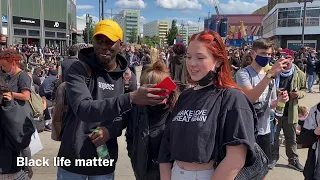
105,49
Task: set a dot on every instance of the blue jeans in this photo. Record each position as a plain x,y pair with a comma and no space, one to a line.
311,79
66,175
273,127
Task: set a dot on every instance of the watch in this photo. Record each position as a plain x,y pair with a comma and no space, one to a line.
270,76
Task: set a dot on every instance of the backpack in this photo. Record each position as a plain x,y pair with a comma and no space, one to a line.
36,104
61,107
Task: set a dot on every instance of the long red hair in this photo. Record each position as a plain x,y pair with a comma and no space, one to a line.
215,45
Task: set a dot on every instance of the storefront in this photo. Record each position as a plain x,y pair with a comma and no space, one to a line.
26,30
55,34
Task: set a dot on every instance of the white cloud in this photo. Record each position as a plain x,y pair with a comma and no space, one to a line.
136,4
179,4
237,6
143,21
81,22
85,7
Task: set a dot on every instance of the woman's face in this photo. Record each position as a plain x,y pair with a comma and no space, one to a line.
5,65
199,60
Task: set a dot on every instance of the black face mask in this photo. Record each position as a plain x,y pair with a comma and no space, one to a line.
207,79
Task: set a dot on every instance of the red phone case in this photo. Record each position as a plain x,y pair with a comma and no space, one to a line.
168,84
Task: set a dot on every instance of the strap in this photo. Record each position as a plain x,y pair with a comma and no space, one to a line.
89,71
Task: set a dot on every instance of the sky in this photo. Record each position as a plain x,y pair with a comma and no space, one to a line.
190,12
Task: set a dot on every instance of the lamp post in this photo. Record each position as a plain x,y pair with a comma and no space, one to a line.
88,24
304,18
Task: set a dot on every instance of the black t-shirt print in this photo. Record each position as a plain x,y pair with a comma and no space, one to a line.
193,134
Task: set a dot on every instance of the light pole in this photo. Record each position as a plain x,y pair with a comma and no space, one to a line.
1,17
304,18
88,24
10,26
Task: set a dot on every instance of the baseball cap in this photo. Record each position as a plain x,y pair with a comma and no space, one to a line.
109,28
288,52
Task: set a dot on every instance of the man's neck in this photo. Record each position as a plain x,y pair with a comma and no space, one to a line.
257,68
111,66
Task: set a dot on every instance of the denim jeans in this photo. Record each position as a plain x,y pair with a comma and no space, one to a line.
273,127
66,175
311,79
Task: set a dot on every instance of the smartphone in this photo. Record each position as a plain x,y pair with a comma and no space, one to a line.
168,84
283,54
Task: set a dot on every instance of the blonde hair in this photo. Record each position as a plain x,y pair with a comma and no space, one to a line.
154,55
156,73
302,110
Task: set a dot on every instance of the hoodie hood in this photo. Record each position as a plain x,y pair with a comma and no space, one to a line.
89,56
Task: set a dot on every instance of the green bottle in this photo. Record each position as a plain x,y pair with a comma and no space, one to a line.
103,151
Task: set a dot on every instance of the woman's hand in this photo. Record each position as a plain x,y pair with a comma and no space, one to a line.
7,96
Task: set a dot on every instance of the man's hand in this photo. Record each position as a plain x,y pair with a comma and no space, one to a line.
283,96
294,95
100,137
146,95
279,66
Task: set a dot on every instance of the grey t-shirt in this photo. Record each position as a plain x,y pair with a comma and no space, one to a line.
244,79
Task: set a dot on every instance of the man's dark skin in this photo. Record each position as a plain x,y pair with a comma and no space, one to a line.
106,50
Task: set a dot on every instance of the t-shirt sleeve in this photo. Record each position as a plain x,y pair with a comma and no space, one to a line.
24,82
239,127
243,78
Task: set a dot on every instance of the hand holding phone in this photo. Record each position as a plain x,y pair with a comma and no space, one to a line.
168,84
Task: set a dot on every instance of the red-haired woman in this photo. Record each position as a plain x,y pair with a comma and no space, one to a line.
20,86
211,132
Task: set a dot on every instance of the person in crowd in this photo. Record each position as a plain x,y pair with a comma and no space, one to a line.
247,60
177,66
293,81
312,61
146,59
46,90
154,55
20,87
143,149
303,113
65,65
15,132
131,58
95,98
309,137
260,87
36,76
212,123
235,61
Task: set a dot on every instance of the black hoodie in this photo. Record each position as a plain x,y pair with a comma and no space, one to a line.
104,100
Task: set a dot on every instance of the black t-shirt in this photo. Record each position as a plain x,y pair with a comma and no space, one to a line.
285,82
301,123
205,121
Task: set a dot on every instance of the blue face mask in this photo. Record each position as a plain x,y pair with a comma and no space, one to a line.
263,61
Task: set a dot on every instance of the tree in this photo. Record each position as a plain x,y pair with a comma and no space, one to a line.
133,36
90,27
173,32
151,41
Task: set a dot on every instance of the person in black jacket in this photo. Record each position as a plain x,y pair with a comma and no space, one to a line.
95,94
146,125
15,134
65,65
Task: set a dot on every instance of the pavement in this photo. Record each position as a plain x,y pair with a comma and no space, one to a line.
124,170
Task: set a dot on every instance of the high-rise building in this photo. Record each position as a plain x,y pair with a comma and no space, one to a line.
129,20
187,31
156,28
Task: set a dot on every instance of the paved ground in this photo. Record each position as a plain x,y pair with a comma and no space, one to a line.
124,171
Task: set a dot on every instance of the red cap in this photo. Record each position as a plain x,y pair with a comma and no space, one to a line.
289,52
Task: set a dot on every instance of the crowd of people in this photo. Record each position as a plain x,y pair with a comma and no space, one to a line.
223,121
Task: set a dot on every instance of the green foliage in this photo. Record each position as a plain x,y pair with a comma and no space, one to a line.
173,32
89,28
151,41
133,36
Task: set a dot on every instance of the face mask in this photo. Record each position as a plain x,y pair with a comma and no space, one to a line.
11,71
263,61
207,79
303,117
313,55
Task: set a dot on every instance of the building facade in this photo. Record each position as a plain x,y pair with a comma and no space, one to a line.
129,20
157,28
284,24
39,22
187,31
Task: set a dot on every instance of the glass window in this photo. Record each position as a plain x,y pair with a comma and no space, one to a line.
34,33
22,32
312,13
312,22
283,23
61,35
294,22
50,34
